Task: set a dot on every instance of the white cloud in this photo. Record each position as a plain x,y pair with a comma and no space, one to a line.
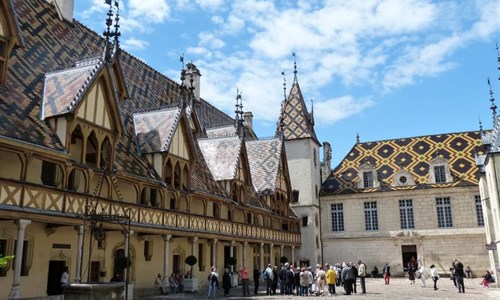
134,44
217,20
211,5
332,110
210,40
150,11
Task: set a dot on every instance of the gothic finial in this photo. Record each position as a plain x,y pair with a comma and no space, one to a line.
183,71
294,66
498,59
117,33
493,106
480,126
312,112
284,85
357,137
107,33
239,114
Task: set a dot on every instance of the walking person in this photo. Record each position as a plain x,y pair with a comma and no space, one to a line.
347,278
354,271
422,274
226,282
245,281
331,278
435,276
256,278
362,276
387,273
459,275
213,282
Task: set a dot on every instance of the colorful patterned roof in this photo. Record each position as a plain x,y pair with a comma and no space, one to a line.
412,154
64,89
295,121
155,129
222,156
223,131
264,157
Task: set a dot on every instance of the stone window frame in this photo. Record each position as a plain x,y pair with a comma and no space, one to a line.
406,214
439,162
371,215
367,168
444,212
337,217
479,211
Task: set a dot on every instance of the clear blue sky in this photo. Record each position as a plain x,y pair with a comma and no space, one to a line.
386,69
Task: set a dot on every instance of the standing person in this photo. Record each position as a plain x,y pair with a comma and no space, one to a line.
268,277
354,271
282,278
256,278
320,280
245,281
452,276
362,276
310,279
64,278
289,279
303,281
226,282
275,279
213,282
435,276
159,284
411,273
331,278
347,278
387,273
422,274
459,275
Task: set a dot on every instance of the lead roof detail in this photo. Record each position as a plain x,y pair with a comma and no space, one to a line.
413,155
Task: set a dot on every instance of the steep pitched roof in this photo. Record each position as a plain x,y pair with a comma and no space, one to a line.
64,89
264,159
295,122
222,131
222,156
412,154
155,129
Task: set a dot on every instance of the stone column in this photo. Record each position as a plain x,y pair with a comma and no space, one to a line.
231,253
293,256
79,254
166,256
271,255
214,252
194,251
282,252
262,257
126,250
15,292
244,258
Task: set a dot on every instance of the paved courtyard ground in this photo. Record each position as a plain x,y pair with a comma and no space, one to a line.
399,288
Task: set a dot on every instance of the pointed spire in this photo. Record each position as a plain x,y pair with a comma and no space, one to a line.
294,67
284,85
493,106
312,112
357,137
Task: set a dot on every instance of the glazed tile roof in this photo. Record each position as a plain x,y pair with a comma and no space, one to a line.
154,130
223,131
412,154
222,156
295,122
64,89
264,157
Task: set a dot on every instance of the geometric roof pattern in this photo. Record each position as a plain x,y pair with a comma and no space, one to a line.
264,157
222,156
222,131
64,89
295,122
414,155
155,129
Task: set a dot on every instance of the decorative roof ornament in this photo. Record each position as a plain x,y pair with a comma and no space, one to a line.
117,32
312,112
357,138
294,67
108,34
480,126
239,113
284,85
183,78
493,106
498,60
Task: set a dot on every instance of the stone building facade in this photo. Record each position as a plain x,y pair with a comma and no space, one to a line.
388,201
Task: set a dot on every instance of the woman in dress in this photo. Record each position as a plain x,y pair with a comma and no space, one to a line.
411,273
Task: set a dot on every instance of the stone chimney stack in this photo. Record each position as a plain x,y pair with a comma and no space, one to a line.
64,9
248,117
326,167
192,69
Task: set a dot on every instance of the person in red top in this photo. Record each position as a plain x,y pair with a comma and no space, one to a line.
245,281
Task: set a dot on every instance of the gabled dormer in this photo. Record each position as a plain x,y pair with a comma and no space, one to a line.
10,36
402,177
439,171
165,139
81,106
368,176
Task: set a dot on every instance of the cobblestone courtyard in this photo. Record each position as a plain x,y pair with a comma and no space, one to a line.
400,288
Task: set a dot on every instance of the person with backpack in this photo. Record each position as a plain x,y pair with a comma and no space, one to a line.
268,277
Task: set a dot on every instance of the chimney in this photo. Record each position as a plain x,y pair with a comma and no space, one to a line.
192,69
327,160
248,117
64,9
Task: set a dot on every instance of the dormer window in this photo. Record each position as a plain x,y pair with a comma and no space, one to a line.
368,177
402,178
439,171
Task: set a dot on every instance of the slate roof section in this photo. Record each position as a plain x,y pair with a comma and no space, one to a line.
223,131
264,157
154,130
414,154
295,122
222,156
63,90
